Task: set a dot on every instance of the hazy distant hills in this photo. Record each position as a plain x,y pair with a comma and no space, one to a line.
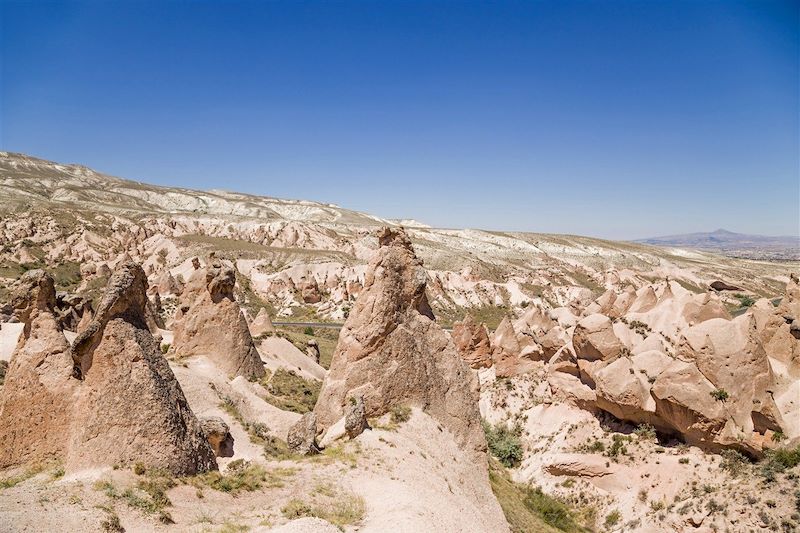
734,244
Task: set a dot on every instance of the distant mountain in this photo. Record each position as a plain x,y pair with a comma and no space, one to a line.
734,244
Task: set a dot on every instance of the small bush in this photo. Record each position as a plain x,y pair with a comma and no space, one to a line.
308,331
612,519
733,462
504,444
618,446
785,457
646,431
111,524
138,469
777,461
719,394
400,414
657,505
597,447
295,508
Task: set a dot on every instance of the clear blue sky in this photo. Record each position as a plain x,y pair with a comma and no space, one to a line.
612,119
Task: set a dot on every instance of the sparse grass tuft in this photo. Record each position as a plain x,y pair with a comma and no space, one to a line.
111,524
400,414
340,508
612,519
12,481
241,476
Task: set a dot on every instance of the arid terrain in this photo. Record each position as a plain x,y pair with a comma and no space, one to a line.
181,360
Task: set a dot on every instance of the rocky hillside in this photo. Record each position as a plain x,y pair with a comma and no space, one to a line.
306,260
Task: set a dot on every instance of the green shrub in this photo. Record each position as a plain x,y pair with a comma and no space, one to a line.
308,331
400,414
517,508
646,431
777,461
785,457
597,447
618,445
719,394
504,443
612,519
733,462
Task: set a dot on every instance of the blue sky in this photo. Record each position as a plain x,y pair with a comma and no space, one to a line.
612,119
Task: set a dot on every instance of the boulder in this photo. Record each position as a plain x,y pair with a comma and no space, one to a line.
472,342
309,291
594,339
218,435
391,351
167,284
302,436
704,307
312,350
213,325
355,420
513,354
722,286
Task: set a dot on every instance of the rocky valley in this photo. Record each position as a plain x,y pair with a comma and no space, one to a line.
181,360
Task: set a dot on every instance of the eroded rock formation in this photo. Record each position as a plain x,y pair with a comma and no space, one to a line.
391,352
130,408
472,342
213,325
37,398
110,399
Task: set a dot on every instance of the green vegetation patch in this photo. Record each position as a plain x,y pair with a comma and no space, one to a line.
504,443
290,392
528,509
